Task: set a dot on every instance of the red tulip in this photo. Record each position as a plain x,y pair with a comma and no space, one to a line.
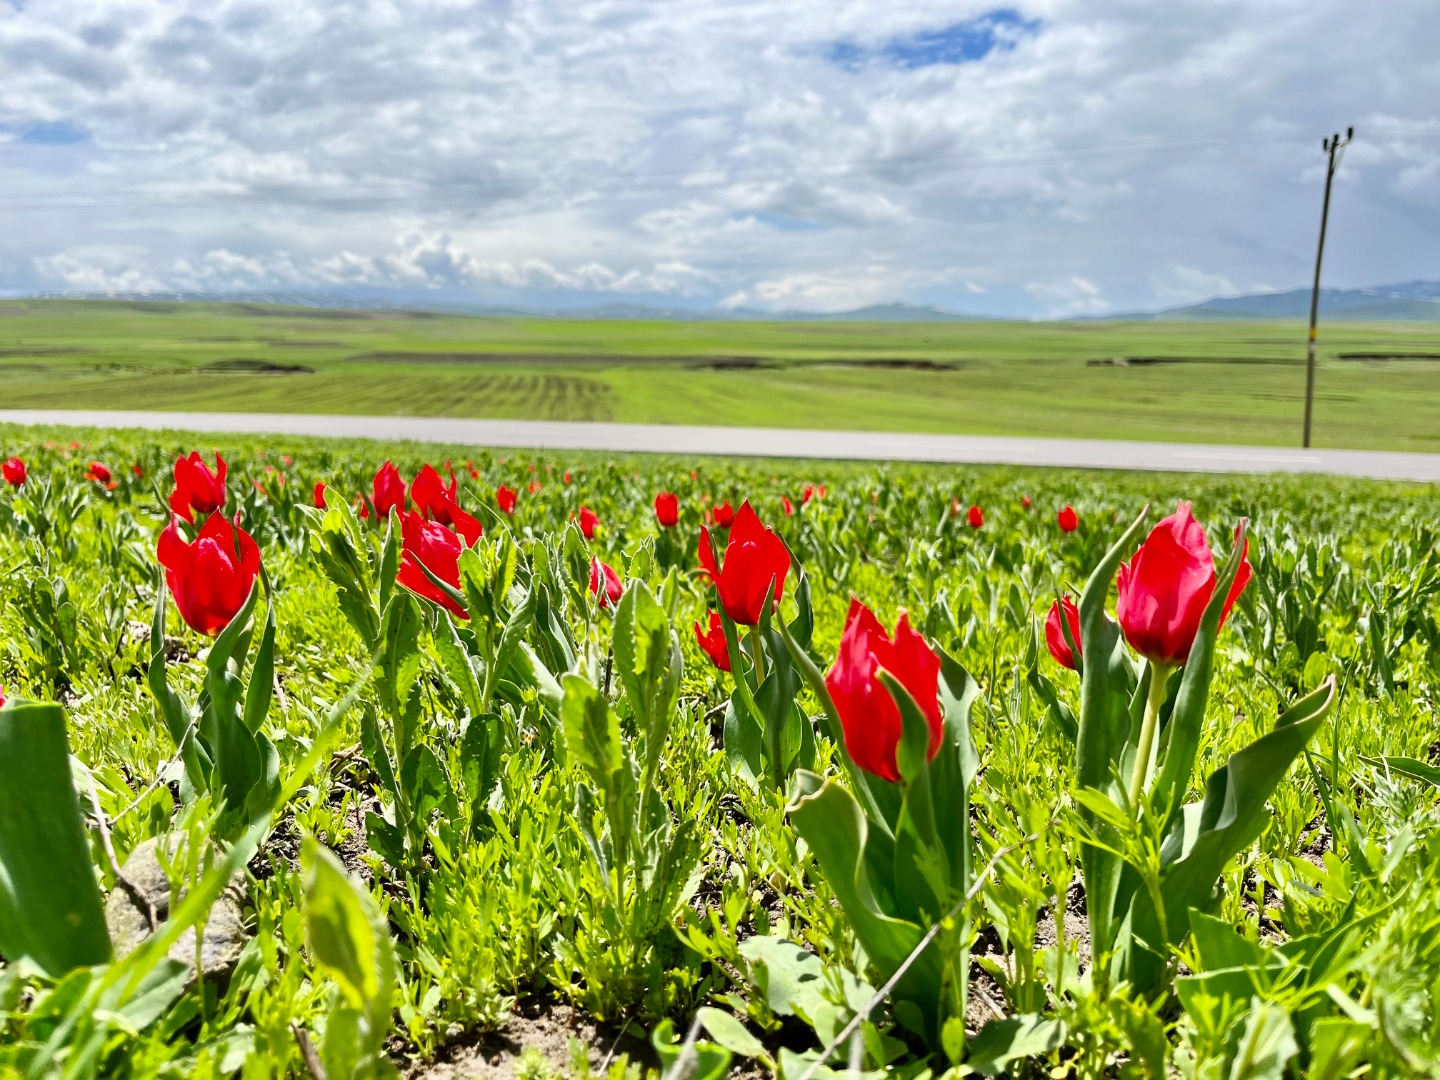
210,579
976,517
319,496
101,475
1055,633
787,505
600,574
138,471
1025,502
197,489
806,494
463,524
432,496
14,471
723,515
754,558
533,486
1164,588
667,509
588,522
868,714
389,491
2,697
566,477
712,642
1069,520
363,507
438,549
505,499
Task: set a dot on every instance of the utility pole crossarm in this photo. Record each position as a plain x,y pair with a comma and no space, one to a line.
1332,147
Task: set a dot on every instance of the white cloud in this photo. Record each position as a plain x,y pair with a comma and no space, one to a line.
820,291
1180,284
707,150
1073,295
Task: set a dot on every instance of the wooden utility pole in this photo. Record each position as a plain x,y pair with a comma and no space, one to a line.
1332,146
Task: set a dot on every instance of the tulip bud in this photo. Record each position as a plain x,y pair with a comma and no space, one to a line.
14,472
1055,632
605,584
667,509
1068,519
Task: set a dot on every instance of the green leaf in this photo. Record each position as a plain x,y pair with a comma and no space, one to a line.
592,731
702,1060
833,825
173,709
789,977
481,748
1016,1037
1206,835
262,673
729,1032
347,936
1406,766
648,664
1266,1045
50,909
1104,727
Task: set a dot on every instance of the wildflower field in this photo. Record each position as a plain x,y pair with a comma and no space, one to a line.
350,760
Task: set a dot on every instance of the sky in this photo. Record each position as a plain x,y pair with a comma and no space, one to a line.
1043,160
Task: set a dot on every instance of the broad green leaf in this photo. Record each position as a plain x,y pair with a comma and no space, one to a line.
729,1032
50,908
833,825
1266,1045
348,937
592,731
342,929
789,977
1014,1038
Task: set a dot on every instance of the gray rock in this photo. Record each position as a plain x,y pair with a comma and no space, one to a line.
129,922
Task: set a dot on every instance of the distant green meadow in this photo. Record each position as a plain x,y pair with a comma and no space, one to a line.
1378,384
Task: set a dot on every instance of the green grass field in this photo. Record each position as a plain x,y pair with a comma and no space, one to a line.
533,834
1238,382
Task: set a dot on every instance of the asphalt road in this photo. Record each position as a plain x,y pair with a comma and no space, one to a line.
767,442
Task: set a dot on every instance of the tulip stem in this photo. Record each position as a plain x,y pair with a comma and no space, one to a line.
757,656
1159,676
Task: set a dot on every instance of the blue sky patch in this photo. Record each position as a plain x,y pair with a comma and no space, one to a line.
959,43
50,134
779,222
